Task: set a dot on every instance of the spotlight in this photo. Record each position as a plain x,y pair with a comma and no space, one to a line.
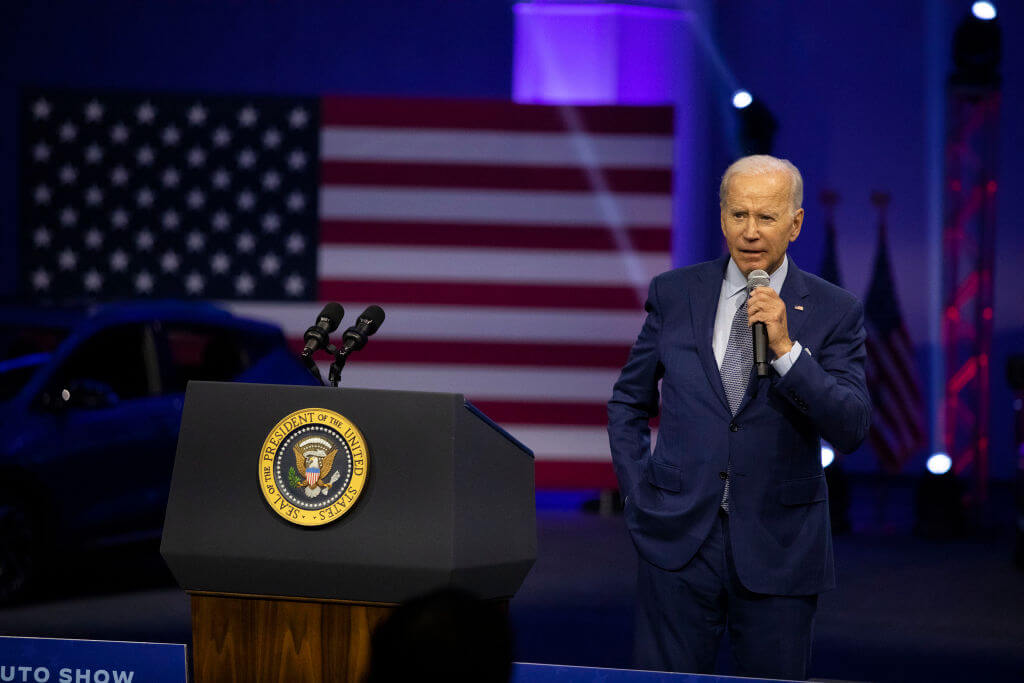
977,49
985,11
741,99
827,455
939,500
757,124
939,463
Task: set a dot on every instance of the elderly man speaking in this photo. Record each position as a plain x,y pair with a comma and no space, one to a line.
729,512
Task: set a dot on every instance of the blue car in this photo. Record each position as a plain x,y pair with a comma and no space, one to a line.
90,405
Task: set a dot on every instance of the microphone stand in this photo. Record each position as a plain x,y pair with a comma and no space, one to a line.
340,356
307,360
313,369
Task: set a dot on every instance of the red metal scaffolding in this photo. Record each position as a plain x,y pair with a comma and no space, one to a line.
968,256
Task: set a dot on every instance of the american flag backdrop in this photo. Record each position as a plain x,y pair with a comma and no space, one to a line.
898,423
511,245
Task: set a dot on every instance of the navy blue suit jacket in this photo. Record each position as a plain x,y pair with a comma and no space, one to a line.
778,521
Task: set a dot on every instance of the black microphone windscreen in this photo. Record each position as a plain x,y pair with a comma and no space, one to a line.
334,313
372,317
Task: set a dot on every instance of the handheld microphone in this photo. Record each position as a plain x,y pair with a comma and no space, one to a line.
327,322
356,336
759,278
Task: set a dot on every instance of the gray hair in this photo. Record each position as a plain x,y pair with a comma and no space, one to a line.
762,164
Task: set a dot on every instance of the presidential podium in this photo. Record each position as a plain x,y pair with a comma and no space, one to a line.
299,517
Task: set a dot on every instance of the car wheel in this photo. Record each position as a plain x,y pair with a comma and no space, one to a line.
17,550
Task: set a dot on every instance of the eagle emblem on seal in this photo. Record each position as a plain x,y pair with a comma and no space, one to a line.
314,461
313,466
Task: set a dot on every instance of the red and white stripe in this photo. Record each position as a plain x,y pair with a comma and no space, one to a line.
897,425
511,247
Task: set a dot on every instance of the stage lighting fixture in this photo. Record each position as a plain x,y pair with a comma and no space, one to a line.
939,463
757,127
827,455
741,99
977,49
940,501
986,11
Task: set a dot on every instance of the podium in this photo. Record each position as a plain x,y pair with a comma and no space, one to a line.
447,500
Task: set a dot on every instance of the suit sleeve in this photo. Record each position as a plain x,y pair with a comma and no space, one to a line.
830,387
635,399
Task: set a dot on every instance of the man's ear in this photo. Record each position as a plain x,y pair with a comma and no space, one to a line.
798,221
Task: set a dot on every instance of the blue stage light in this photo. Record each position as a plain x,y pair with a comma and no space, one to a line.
986,11
827,455
741,99
939,463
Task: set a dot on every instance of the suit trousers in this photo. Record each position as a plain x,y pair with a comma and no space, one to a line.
682,615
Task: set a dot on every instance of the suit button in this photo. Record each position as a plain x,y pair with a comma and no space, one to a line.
733,427
723,476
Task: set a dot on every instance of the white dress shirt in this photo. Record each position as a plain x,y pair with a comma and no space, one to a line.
729,300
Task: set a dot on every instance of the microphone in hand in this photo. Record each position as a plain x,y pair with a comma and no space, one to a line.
327,322
759,278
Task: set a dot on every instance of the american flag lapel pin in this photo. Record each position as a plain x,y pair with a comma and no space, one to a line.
799,308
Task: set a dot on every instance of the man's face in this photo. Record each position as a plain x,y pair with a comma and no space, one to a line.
758,220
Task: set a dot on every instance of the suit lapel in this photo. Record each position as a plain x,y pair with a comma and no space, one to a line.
703,308
794,293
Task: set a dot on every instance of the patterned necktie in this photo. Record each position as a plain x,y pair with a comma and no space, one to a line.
736,365
738,359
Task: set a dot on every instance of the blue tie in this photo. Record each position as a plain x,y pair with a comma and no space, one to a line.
736,365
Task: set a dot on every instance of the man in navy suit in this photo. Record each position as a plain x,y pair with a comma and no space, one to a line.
729,513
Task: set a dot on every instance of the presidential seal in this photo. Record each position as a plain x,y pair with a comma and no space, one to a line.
313,466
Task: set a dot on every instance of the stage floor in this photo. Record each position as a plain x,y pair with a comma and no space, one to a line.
906,609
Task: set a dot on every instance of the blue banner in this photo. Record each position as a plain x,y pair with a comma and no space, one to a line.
554,673
59,660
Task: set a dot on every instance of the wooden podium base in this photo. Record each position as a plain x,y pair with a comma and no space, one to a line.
270,639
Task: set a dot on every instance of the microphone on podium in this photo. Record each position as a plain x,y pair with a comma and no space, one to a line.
327,322
355,337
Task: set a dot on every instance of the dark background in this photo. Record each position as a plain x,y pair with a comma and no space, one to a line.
858,89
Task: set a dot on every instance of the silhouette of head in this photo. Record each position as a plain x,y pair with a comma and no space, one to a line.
448,635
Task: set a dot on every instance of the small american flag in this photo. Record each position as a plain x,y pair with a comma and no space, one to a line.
897,426
511,245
